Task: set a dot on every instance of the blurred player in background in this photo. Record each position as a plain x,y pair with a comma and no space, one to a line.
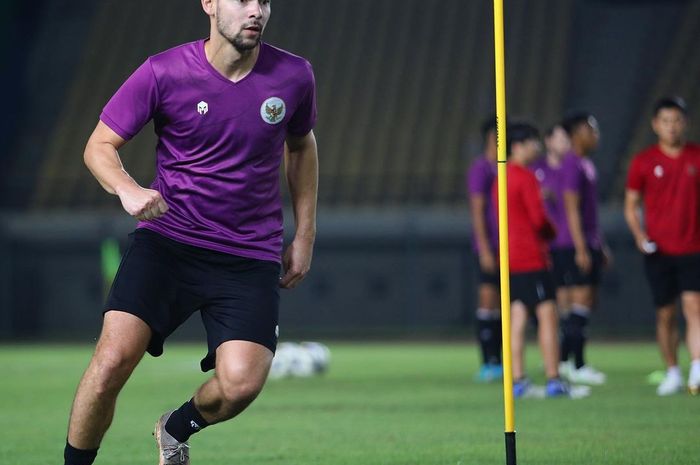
664,179
531,284
578,252
480,179
210,232
547,170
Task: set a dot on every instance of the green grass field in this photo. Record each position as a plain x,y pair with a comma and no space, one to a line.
381,404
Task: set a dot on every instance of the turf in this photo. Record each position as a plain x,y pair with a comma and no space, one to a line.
381,404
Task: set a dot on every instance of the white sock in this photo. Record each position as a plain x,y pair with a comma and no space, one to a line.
581,311
674,371
695,366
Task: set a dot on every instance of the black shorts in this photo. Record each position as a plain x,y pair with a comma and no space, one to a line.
670,275
567,273
488,278
532,288
163,282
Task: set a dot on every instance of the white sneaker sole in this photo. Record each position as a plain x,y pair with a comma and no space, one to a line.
576,391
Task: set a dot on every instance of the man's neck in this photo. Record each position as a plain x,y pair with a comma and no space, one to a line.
553,160
491,154
517,160
672,150
578,150
227,60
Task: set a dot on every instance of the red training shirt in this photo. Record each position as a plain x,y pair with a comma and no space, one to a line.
529,228
670,189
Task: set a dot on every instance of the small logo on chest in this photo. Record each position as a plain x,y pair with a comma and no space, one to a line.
540,175
658,171
273,110
202,107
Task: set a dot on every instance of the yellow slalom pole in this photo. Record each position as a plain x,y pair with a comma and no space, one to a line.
503,230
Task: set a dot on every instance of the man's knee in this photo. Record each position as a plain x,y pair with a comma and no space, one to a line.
241,371
691,301
112,366
666,315
237,388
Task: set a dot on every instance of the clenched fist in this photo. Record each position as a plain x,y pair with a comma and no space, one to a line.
143,204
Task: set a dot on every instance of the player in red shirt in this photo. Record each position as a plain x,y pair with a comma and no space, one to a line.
531,284
664,179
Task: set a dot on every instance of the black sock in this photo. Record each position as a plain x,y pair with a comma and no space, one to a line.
565,340
73,456
577,326
496,343
483,334
489,335
185,421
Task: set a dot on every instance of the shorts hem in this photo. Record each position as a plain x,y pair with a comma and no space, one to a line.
209,361
155,345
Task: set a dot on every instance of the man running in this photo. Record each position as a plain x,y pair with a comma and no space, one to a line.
209,237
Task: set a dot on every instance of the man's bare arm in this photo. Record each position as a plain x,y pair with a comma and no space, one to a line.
102,159
573,217
633,208
477,203
301,169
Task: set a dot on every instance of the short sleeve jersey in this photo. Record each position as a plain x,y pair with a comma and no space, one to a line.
670,189
220,143
480,179
529,228
549,178
578,175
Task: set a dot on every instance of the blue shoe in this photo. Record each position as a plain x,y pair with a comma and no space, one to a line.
496,371
556,388
489,373
485,374
521,387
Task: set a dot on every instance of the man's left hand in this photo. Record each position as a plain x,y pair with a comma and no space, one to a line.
296,262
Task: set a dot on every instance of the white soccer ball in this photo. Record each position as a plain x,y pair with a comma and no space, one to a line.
301,362
320,354
282,362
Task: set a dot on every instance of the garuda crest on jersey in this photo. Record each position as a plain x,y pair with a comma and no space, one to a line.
273,110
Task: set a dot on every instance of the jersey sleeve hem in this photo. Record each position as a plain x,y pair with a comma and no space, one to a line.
300,133
104,117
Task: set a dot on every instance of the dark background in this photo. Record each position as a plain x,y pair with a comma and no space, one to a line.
402,90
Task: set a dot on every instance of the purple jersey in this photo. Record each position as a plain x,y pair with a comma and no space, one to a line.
578,174
480,179
549,178
220,143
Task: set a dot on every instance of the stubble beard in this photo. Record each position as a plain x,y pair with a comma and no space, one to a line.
241,44
245,45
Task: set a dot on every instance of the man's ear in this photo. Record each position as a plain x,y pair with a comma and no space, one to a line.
209,7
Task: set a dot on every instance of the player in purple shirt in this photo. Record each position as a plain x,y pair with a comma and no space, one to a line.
577,252
209,237
480,179
547,171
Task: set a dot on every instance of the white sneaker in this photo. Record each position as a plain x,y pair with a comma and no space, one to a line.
587,375
694,382
565,369
672,384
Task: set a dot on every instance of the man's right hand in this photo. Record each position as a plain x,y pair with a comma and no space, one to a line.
143,204
583,260
487,262
646,246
